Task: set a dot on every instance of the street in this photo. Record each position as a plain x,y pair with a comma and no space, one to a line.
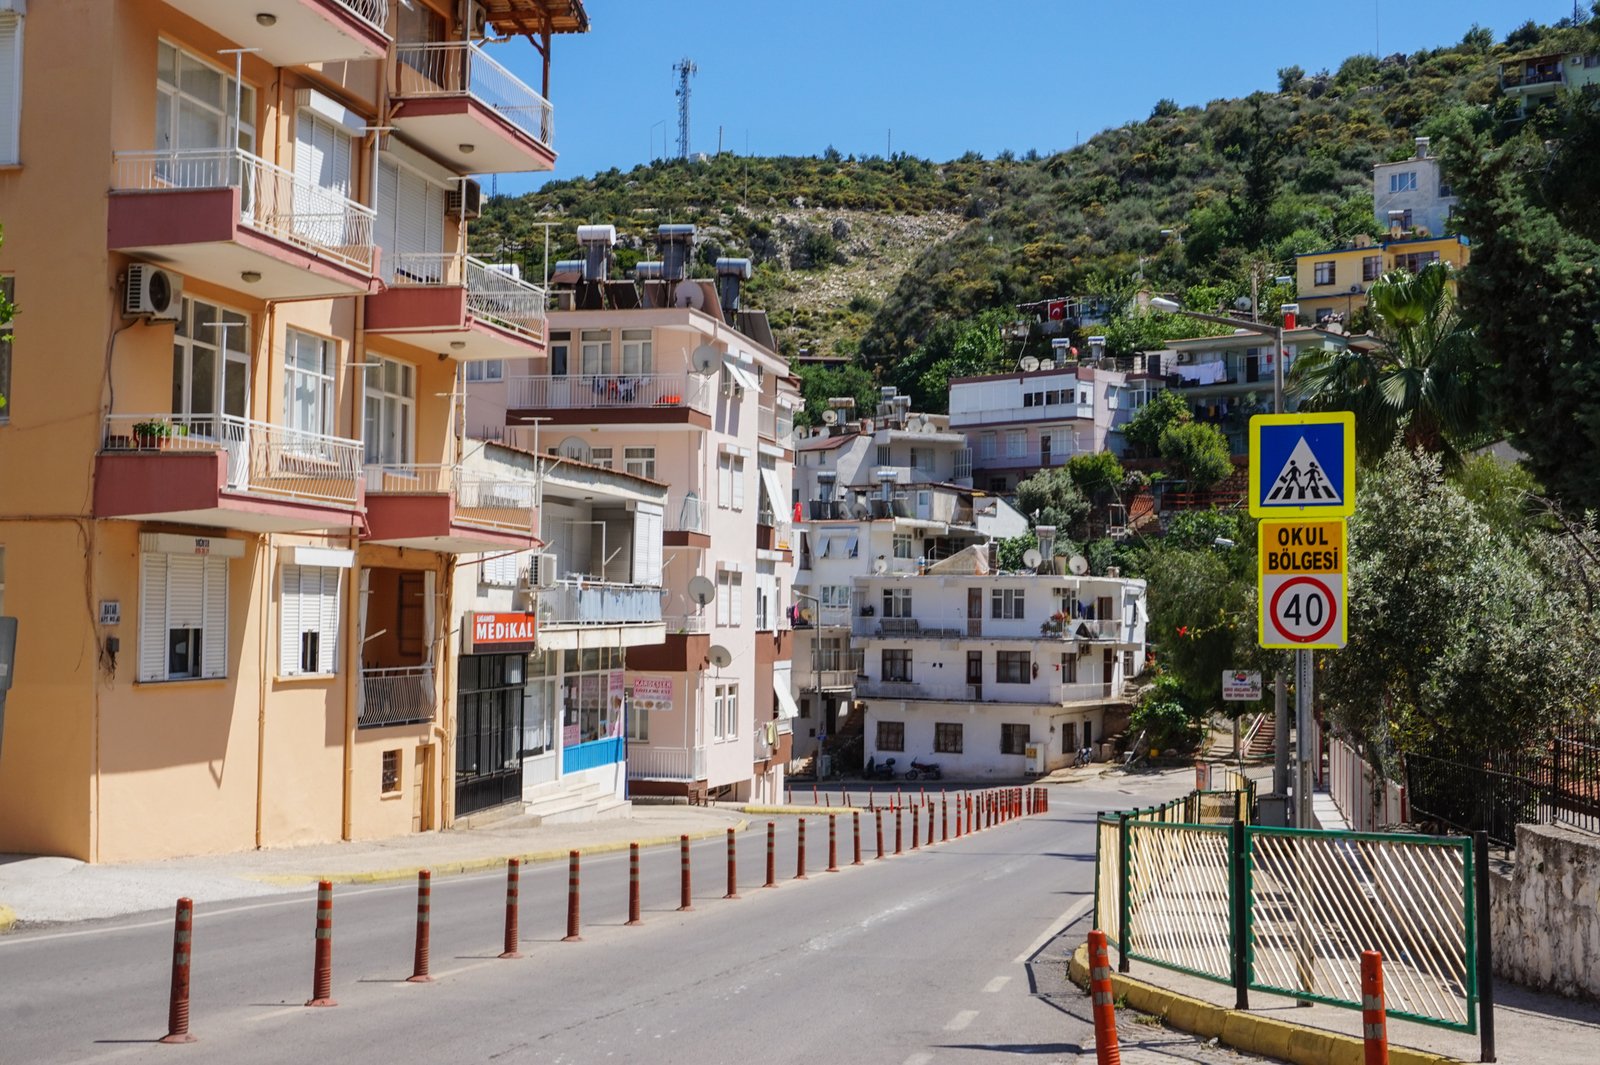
950,954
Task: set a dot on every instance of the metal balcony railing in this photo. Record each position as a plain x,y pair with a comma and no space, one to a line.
374,13
687,624
399,696
461,68
571,603
688,514
271,199
480,500
592,391
263,459
493,294
1079,693
666,763
775,424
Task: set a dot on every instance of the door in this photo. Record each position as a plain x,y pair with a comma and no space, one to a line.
975,673
422,790
974,611
925,505
1108,668
1044,449
1069,737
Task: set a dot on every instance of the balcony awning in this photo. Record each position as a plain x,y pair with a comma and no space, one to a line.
781,680
742,377
528,16
775,500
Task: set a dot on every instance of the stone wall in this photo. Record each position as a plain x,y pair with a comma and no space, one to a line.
1546,914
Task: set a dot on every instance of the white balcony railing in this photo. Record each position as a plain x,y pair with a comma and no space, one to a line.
687,624
399,696
492,294
263,459
989,691
571,603
374,13
776,425
593,391
272,200
1080,693
963,470
689,514
461,68
480,500
666,763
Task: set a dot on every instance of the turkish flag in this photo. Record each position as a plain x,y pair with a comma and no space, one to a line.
1057,309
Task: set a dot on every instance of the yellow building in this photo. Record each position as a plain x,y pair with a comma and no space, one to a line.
234,495
1336,281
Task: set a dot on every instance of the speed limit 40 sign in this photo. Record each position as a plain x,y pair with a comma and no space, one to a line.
1302,584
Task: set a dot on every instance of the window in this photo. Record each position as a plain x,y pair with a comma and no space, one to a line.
1011,667
1007,603
828,652
409,226
391,772
738,482
640,461
183,616
7,291
1371,267
308,615
1324,273
897,602
902,545
1405,181
194,104
1445,191
1415,261
1127,665
390,413
1016,443
896,664
560,345
1044,449
486,370
420,24
947,738
730,597
885,456
997,484
411,614
600,456
10,87
719,712
1014,739
835,595
922,459
891,736
986,446
308,364
1403,220
733,710
501,570
323,152
638,720
596,351
210,366
805,709
974,667
636,356
1069,668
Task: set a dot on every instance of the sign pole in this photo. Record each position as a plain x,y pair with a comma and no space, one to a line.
1280,691
1304,746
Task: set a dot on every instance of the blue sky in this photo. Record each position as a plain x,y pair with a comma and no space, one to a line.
790,78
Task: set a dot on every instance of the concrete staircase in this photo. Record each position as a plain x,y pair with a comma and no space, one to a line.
560,803
1264,742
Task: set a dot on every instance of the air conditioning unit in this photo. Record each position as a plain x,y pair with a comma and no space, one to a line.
477,21
472,192
1185,358
542,571
152,293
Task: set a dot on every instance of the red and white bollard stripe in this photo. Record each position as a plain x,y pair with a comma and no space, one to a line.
322,969
685,899
1102,1003
513,903
733,868
178,1007
419,967
633,885
833,844
772,855
855,818
572,935
1374,1030
800,854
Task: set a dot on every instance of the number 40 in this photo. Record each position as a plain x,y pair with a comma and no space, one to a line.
1316,608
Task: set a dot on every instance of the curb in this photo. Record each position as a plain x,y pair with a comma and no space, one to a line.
8,918
1245,1031
803,810
474,865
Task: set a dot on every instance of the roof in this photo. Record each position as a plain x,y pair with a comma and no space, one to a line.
537,16
827,443
1250,340
1384,245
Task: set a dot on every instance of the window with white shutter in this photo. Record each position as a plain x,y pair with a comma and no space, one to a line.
736,599
502,570
724,480
10,88
724,596
648,525
183,617
410,225
308,620
738,482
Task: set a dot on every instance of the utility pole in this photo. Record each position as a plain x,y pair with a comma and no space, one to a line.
685,69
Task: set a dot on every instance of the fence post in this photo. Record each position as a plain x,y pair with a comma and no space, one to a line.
1485,956
1241,903
1122,894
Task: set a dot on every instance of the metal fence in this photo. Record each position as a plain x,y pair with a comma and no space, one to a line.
1365,801
374,13
399,696
461,68
494,294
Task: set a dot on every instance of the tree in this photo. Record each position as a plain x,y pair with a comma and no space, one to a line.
1425,381
1198,453
1289,77
1202,616
1165,409
1478,39
1198,530
1096,473
1168,716
1055,495
818,384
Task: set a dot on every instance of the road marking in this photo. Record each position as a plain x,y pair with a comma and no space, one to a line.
1075,911
996,984
275,1013
919,1059
960,1020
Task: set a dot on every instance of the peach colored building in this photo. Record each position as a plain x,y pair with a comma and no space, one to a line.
235,499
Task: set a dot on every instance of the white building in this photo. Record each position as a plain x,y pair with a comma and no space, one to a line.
1412,193
972,669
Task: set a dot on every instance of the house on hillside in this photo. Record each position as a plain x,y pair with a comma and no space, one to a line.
1533,81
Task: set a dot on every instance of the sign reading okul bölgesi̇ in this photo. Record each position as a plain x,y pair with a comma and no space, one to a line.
1301,568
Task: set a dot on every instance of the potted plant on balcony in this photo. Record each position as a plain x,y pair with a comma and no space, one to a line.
151,435
1055,625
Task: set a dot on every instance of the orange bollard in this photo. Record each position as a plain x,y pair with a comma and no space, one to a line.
572,899
1106,1049
855,818
513,891
733,868
800,855
1374,1030
897,831
772,855
833,845
419,967
633,885
685,900
944,819
916,825
814,801
322,970
879,814
178,1007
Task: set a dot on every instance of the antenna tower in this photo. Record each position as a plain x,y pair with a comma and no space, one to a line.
685,68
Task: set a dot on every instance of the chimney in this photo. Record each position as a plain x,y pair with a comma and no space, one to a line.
1422,147
676,244
597,242
730,272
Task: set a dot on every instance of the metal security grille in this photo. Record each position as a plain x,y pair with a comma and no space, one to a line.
1107,883
1318,899
1180,897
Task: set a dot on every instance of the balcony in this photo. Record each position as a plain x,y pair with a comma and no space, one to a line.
401,695
571,603
585,399
235,220
447,508
226,472
688,523
687,624
827,510
460,306
961,692
1023,460
773,535
775,426
469,111
666,763
1080,693
292,33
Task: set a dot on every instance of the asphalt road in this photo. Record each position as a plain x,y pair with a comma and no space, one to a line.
954,953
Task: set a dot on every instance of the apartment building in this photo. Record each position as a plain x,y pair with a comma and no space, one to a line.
665,377
245,449
994,674
1412,194
1335,281
1533,81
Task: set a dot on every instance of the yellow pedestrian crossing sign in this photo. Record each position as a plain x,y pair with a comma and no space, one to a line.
1303,465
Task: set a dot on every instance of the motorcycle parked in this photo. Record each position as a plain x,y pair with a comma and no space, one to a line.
930,770
875,771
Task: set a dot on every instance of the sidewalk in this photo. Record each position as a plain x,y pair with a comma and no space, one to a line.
1530,1029
44,890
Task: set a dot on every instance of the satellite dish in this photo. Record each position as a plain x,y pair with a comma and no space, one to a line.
913,424
719,656
807,614
689,294
929,427
1031,558
1242,303
576,448
861,511
702,590
879,565
831,417
706,360
1078,565
1030,364
1047,364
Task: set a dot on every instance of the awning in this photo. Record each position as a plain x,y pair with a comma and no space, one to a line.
775,500
790,400
742,377
787,708
822,547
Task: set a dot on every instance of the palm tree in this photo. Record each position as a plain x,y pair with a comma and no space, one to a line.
1421,379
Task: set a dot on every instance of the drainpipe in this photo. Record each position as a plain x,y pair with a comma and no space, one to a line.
264,560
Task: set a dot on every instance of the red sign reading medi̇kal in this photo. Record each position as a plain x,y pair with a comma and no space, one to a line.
503,628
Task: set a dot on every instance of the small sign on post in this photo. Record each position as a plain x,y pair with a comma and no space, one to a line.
1301,568
1240,686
